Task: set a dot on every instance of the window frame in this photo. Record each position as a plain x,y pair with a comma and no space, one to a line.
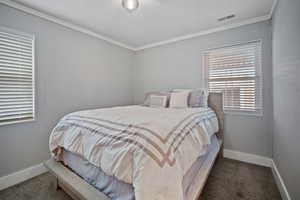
33,78
258,68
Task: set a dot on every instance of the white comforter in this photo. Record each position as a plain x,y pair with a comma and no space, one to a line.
151,148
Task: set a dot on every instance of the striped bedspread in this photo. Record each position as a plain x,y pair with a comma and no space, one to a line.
151,148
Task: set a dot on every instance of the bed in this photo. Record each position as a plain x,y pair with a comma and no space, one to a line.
137,152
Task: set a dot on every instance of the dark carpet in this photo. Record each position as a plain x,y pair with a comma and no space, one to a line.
229,180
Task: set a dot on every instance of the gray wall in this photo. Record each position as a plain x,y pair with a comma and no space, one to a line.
73,71
178,65
286,89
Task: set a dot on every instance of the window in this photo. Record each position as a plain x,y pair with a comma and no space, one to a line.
16,76
236,72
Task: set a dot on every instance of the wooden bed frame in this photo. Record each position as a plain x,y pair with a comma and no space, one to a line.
79,189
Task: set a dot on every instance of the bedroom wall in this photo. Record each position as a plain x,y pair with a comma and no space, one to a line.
74,71
286,86
178,65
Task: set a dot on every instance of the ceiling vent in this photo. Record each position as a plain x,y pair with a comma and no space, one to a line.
226,18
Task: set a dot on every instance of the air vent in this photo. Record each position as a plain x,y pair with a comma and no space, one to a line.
226,18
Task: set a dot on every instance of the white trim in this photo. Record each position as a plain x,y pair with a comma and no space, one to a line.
31,37
151,45
245,113
262,161
23,175
275,2
258,113
21,34
20,176
33,79
63,23
248,158
207,50
280,183
16,121
206,32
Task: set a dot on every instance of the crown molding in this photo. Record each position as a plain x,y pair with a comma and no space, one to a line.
275,2
206,32
63,23
151,45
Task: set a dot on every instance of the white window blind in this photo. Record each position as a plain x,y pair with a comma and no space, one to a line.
16,76
236,72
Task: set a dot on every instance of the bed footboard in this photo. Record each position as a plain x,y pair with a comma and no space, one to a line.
72,184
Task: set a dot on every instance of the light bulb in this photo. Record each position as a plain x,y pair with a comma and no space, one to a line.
130,5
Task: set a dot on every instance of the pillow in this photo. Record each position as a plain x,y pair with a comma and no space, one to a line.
179,99
149,94
197,97
158,101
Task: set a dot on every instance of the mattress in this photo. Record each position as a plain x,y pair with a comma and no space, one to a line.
119,190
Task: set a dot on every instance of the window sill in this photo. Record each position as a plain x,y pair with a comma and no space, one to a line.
16,122
244,114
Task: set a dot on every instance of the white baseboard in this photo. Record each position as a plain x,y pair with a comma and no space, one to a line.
248,158
23,175
262,161
279,181
20,176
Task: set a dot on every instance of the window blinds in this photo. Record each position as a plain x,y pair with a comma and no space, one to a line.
16,76
236,72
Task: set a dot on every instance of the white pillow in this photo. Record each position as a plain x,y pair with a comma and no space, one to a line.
158,101
179,99
197,98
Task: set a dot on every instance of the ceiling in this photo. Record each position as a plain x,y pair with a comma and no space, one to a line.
155,20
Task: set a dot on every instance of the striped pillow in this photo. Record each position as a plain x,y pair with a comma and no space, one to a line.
158,101
149,94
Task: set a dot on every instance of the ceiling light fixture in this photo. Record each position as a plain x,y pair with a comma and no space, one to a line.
130,5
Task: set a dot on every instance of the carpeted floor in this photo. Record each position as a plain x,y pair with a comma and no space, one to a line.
229,180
